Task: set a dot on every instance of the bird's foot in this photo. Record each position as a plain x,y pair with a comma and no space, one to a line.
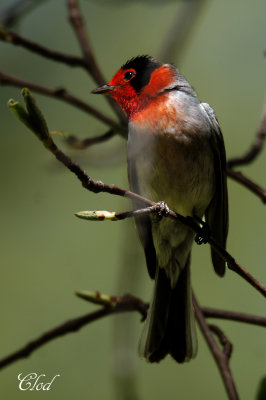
162,209
203,236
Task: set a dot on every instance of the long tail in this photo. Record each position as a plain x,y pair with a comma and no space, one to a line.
170,324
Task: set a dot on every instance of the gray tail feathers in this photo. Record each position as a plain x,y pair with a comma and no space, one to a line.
170,324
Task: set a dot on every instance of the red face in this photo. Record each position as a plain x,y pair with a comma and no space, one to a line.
138,82
123,92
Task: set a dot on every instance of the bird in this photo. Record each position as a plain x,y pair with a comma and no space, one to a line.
176,156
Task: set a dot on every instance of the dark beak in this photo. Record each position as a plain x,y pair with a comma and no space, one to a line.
105,89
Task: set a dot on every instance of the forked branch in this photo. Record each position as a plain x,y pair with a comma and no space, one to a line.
255,148
111,305
221,356
91,64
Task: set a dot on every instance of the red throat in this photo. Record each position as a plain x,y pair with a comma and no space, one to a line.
129,101
125,95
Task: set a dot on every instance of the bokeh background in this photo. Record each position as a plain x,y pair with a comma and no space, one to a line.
47,253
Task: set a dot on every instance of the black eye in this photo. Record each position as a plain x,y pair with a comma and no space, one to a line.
128,75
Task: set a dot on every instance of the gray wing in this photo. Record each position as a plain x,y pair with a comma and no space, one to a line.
217,211
143,224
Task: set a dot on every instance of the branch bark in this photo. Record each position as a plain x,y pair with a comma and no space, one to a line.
76,19
248,183
76,143
61,94
17,40
226,344
234,316
118,305
255,148
113,304
220,357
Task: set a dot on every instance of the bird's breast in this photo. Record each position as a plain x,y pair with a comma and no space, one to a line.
172,158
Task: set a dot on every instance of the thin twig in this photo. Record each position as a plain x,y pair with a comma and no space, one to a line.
234,316
248,183
61,94
227,345
219,356
96,215
236,267
75,143
17,40
91,65
77,22
121,304
114,304
255,148
188,221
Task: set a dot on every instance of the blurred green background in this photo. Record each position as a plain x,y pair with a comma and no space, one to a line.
47,253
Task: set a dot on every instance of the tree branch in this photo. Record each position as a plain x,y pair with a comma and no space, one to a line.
220,357
91,65
227,345
112,305
17,40
234,316
236,267
61,94
248,183
88,61
116,305
188,221
77,23
76,143
255,148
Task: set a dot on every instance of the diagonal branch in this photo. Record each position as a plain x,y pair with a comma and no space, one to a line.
117,305
91,65
17,40
98,186
77,22
76,143
61,94
255,148
111,305
87,61
248,183
227,345
219,355
237,268
93,68
156,208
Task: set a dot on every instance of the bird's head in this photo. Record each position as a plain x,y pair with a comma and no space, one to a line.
138,82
